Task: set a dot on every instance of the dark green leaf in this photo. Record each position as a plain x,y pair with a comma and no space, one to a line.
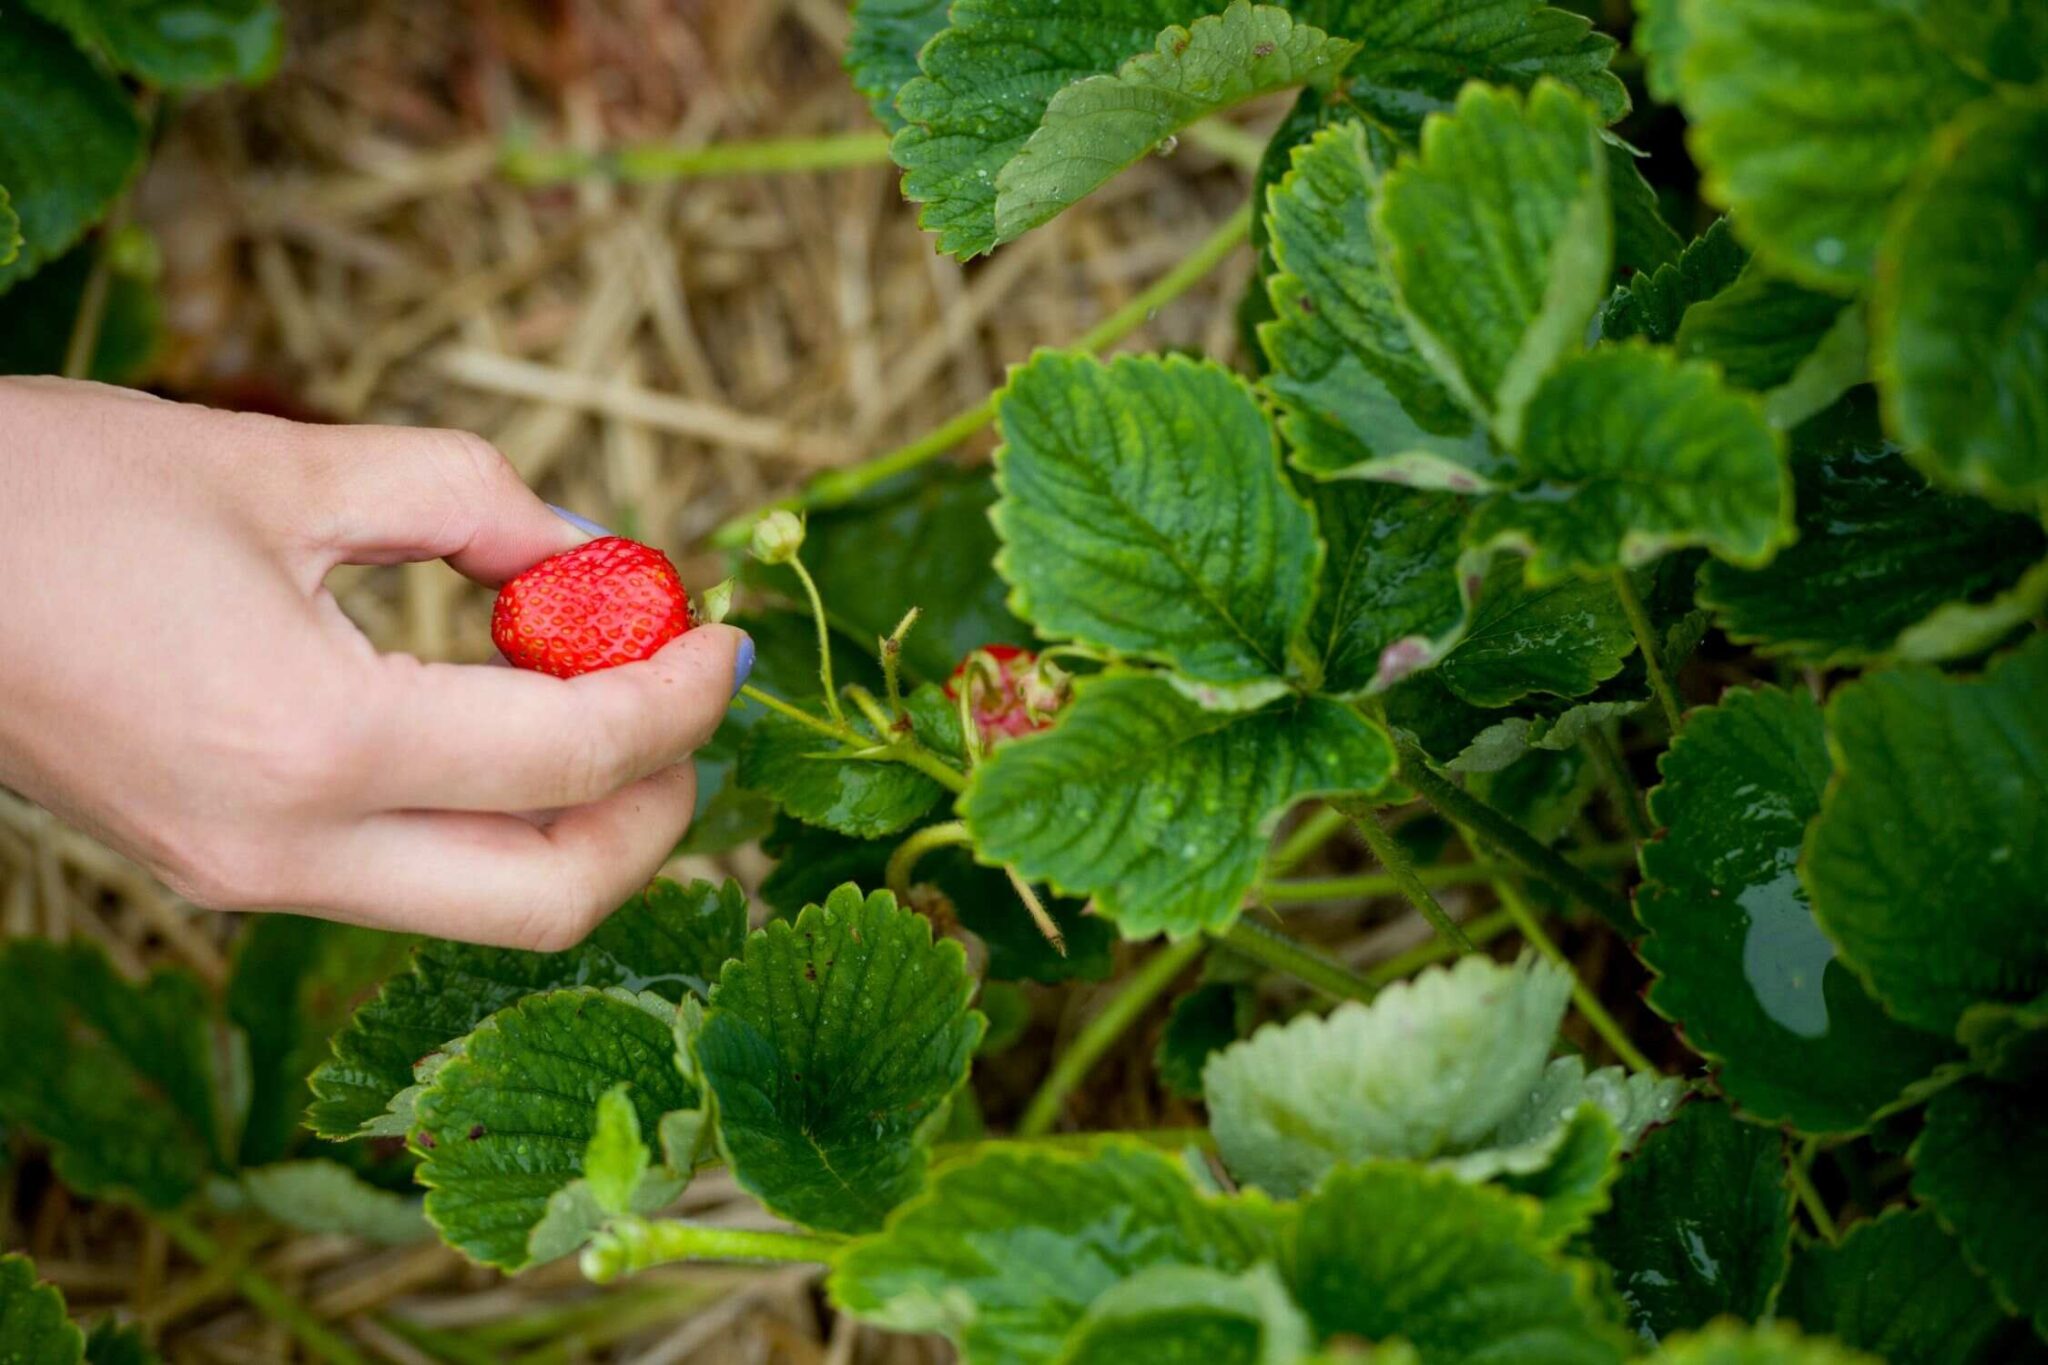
1898,1287
1144,511
1498,239
669,939
1158,809
1961,313
1562,639
881,51
1643,241
1928,858
1190,1315
1652,306
1982,1165
72,141
1635,454
1701,1222
10,229
1759,329
128,1082
815,778
42,309
2008,1042
176,43
832,1046
1543,791
1201,1023
1884,565
118,1343
33,1326
504,1125
1389,603
1006,1253
1742,968
1461,1271
1730,1343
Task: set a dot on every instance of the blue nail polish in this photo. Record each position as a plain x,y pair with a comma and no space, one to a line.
583,524
742,663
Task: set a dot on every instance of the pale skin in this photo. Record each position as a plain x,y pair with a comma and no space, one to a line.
176,680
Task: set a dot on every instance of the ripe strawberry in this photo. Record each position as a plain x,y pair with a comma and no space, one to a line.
1008,691
611,601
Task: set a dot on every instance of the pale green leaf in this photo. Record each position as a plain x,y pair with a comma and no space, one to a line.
33,1324
1863,87
326,1196
1941,786
1929,575
70,144
1982,1165
1632,455
1961,307
1096,127
1190,1315
1498,239
1144,510
818,780
619,1177
1006,1253
616,1158
1389,603
832,1046
881,51
1731,1343
669,939
1653,305
1742,968
176,43
1896,1286
1356,399
1659,39
506,1124
1461,1271
1700,1224
1157,808
132,1084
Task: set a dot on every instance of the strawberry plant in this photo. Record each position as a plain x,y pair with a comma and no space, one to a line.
1503,453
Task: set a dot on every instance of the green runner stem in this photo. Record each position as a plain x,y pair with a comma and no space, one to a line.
1281,952
1401,868
630,1245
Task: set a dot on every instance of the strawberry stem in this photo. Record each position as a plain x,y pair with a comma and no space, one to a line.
904,860
824,639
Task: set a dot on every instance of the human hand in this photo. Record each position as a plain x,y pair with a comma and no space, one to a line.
178,682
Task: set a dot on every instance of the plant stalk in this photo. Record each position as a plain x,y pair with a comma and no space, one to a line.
1622,787
1401,868
838,486
824,639
1367,885
1646,640
264,1296
649,161
902,750
1588,1004
1127,1001
904,860
1280,952
1809,1196
630,1245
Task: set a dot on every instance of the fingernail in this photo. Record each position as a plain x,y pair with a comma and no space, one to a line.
583,524
742,663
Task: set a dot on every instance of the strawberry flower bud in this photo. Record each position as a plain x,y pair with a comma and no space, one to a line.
777,537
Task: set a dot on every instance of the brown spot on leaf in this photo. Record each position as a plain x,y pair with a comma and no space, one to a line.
1262,49
476,1130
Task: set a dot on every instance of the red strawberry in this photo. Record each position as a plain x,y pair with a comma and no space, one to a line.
608,602
1008,691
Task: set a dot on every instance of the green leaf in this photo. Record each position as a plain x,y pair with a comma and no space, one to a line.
1431,1068
130,1083
618,1177
504,1125
1653,305
1158,809
669,939
1941,786
1356,399
176,43
1461,1271
325,1196
1389,603
2007,1042
1731,1343
1635,454
1961,317
10,229
1897,1286
42,309
1563,639
1981,1164
32,1320
1005,1253
1742,968
1759,329
296,982
1700,1224
1201,1024
72,141
1866,91
118,1343
1544,791
1659,39
1096,127
881,51
988,77
832,1046
616,1158
1643,241
1930,575
1104,537
1189,1315
815,778
1498,240
1463,738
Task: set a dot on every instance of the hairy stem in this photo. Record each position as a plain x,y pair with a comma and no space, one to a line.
1646,640
630,1245
837,486
1588,1004
265,1297
904,860
1127,1001
824,639
1517,844
1366,885
1401,868
1281,952
1035,907
1622,787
